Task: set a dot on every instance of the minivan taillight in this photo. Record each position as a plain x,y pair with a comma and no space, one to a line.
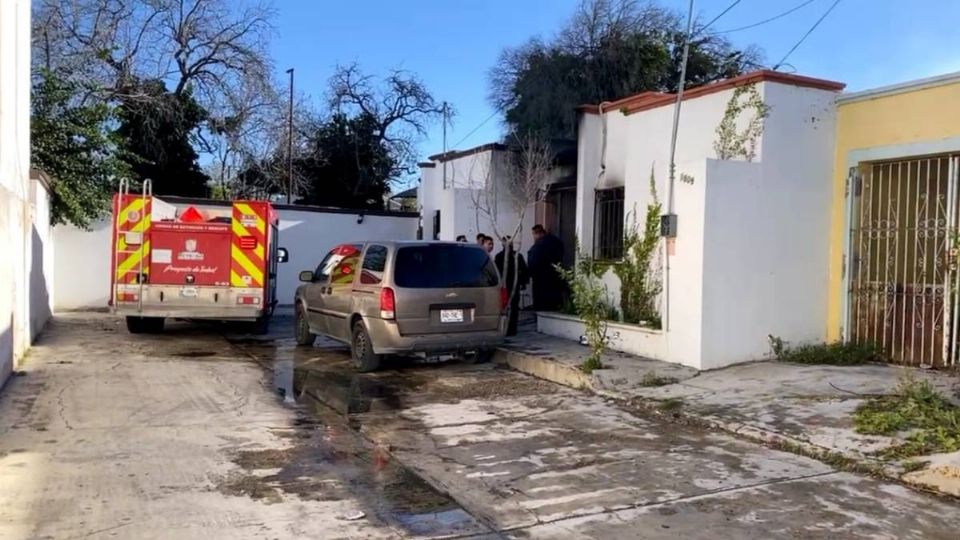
504,298
388,304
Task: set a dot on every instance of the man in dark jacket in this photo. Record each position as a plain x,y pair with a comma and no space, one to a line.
543,256
513,279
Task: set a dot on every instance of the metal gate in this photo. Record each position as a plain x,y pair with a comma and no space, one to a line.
903,256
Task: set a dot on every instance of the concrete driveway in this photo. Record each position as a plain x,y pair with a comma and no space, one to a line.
191,434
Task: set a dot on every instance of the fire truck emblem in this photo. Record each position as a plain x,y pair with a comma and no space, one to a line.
189,252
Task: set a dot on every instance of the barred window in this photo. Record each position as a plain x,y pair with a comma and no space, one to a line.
608,224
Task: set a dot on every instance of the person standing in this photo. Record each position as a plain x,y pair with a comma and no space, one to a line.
543,258
480,237
514,276
487,244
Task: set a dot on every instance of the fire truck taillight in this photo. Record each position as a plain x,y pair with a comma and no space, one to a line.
127,297
248,300
248,242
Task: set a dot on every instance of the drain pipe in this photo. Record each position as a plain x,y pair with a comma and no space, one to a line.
668,227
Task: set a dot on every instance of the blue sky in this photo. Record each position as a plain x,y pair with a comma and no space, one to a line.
452,44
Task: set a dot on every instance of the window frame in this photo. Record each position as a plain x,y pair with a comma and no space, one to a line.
383,266
609,230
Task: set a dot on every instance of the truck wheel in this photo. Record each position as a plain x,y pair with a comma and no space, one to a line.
361,350
301,328
261,326
145,325
479,357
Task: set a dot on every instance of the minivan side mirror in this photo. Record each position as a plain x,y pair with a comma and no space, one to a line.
306,276
282,255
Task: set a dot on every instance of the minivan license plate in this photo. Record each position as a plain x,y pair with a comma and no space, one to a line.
451,315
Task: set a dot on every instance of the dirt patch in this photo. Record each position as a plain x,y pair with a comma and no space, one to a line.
469,388
262,459
254,487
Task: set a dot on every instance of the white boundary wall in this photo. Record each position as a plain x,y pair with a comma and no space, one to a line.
15,225
82,263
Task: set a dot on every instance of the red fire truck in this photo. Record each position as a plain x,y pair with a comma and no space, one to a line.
183,262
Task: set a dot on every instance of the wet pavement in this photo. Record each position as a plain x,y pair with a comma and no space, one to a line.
532,459
204,433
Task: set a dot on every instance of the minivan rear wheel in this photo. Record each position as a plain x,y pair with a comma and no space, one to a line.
361,350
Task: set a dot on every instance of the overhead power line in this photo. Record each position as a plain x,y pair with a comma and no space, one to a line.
474,130
765,21
805,36
722,13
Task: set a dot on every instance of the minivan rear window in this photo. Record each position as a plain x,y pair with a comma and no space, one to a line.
444,266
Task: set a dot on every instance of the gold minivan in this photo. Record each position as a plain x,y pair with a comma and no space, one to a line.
403,298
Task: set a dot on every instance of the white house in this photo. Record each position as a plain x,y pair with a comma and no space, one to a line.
748,259
465,193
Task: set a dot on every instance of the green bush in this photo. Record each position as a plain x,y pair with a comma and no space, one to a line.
835,354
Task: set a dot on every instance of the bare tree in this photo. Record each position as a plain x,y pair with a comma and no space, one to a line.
516,181
400,105
207,47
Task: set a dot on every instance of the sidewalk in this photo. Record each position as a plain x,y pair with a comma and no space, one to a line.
803,408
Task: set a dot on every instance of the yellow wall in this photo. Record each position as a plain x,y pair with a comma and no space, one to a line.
916,116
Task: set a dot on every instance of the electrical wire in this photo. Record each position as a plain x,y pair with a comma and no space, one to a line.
474,130
805,36
722,13
765,21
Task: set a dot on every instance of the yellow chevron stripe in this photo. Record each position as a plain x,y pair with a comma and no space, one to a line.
245,209
131,261
140,227
255,273
236,280
240,232
137,204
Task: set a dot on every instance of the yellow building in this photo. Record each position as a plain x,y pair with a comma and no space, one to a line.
893,261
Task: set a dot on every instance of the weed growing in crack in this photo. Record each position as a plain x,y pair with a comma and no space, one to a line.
651,379
912,465
834,354
591,363
670,404
917,407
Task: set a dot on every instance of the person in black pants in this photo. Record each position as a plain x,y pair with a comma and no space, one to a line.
508,259
545,254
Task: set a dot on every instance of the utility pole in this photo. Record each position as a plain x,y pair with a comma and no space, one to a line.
673,165
444,144
290,142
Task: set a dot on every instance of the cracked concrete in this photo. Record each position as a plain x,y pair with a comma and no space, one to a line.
116,436
190,435
809,406
564,464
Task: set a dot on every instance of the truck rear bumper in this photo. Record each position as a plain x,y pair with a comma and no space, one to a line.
169,301
217,313
387,340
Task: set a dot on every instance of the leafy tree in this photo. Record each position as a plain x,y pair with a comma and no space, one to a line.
348,164
157,138
608,50
71,143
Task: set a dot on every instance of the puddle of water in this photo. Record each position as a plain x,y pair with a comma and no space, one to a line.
329,459
347,393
